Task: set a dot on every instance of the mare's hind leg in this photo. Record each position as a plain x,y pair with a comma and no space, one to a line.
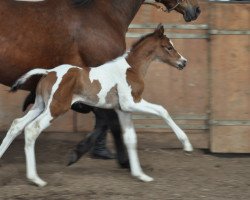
87,143
104,119
130,141
115,127
17,126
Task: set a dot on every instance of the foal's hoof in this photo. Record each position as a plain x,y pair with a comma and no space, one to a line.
37,181
188,148
145,178
42,184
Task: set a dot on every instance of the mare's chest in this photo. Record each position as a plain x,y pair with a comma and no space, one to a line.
100,42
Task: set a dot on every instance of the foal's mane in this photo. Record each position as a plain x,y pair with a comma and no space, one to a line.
141,39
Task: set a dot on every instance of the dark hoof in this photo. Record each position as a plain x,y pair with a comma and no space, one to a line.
124,165
102,154
73,158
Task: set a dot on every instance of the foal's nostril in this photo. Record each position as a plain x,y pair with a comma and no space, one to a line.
183,63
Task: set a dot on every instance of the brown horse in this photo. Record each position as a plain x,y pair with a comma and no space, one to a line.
52,32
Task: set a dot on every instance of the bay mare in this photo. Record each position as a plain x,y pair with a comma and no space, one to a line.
78,32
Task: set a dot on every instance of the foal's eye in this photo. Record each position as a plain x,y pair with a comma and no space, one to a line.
169,48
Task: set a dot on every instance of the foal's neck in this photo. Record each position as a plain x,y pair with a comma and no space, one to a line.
139,59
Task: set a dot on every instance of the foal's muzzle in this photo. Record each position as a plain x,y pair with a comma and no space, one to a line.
181,63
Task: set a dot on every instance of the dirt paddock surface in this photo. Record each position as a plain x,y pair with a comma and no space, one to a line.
177,175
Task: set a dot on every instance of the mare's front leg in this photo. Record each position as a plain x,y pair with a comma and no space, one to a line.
105,119
130,141
146,107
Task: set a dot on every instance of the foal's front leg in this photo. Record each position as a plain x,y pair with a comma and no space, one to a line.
146,107
130,141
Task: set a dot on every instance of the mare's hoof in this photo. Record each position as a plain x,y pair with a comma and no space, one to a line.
125,165
102,154
73,158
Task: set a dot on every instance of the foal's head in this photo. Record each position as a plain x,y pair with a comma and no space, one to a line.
157,46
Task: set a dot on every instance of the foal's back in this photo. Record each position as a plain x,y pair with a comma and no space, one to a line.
99,86
67,84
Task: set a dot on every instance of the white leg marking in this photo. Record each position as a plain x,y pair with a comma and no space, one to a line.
32,131
171,43
17,128
130,141
147,107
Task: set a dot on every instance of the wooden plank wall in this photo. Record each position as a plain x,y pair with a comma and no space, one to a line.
230,79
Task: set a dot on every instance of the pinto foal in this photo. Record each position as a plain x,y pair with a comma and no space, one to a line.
118,84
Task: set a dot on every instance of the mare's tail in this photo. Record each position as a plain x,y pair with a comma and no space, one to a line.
26,76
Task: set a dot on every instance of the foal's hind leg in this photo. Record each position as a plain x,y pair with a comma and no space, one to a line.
32,131
17,127
154,109
130,141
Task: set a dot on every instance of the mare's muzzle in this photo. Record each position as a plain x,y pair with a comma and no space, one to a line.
191,13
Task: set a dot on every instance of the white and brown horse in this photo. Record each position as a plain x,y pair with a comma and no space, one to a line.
118,85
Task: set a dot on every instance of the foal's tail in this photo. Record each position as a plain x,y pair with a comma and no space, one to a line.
26,76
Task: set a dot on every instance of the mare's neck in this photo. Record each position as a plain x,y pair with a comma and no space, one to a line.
139,59
124,11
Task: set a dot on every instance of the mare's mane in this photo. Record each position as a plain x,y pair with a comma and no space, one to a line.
81,2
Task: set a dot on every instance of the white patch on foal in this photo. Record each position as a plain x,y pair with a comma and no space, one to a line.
171,43
111,74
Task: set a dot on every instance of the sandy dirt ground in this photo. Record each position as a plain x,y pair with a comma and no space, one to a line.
177,176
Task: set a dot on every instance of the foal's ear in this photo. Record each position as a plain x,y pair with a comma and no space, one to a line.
159,30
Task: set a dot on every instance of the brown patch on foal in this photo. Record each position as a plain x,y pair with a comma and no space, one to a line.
45,85
87,88
136,83
75,82
62,98
112,97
